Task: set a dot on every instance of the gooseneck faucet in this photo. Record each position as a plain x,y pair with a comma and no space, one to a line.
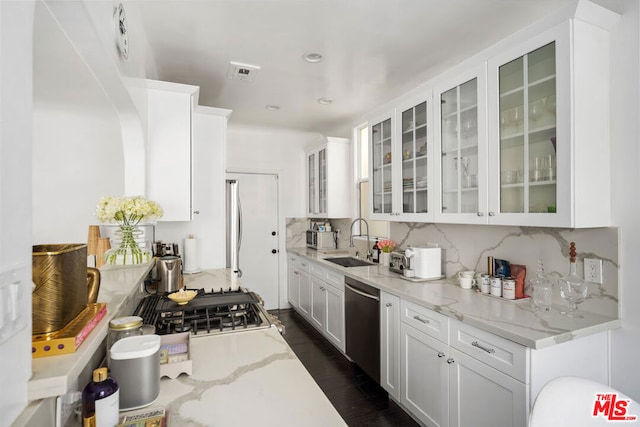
369,254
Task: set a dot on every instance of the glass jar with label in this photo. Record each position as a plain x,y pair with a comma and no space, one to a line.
123,327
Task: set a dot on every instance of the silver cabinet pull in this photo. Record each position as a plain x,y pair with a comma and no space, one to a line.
480,213
492,214
388,304
441,354
450,361
420,319
303,264
488,350
296,273
196,212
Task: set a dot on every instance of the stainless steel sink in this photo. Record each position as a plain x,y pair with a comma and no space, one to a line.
348,261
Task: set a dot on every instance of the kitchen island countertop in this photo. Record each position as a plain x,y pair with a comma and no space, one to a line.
514,320
245,378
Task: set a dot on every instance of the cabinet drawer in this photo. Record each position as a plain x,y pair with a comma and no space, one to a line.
327,275
298,262
428,321
502,354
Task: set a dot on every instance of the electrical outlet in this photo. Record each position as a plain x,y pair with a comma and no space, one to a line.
593,270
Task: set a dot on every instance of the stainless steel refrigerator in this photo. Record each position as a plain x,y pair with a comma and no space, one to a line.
233,226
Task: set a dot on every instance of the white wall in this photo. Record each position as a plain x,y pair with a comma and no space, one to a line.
625,141
77,144
16,21
280,151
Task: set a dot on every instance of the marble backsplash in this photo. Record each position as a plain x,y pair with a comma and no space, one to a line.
466,247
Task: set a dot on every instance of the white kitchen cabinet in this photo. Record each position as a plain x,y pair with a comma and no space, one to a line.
305,294
452,373
170,108
461,142
293,281
327,304
482,396
549,155
400,155
390,344
425,376
328,172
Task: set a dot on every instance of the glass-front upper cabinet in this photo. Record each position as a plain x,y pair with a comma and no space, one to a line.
461,139
527,108
312,207
381,153
322,180
414,158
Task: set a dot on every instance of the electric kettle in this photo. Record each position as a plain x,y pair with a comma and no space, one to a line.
169,272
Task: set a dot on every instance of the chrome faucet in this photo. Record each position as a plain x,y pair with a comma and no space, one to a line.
369,254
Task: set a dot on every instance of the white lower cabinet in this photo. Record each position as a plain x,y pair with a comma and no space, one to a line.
425,376
327,304
317,293
454,374
482,396
390,344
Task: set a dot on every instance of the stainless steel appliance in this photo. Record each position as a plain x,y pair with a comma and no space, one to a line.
233,226
398,262
169,272
208,313
362,326
322,240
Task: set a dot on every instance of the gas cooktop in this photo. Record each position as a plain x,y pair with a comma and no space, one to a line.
208,313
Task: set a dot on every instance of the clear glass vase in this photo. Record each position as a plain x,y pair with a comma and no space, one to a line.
541,289
129,251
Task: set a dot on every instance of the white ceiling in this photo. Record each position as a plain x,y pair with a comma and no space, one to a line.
374,50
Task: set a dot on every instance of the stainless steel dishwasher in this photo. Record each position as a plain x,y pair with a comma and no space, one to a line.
362,326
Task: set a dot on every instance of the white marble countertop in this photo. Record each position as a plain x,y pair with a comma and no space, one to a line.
57,375
245,378
513,320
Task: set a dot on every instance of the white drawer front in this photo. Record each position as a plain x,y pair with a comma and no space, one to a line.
335,279
428,321
502,354
317,270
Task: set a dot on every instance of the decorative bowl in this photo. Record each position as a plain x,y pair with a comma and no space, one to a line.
182,296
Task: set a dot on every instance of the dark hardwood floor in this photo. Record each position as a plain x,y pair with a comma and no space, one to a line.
357,398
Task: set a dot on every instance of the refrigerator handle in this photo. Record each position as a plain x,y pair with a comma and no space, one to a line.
239,235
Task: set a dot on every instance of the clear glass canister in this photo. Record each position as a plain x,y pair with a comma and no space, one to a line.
123,327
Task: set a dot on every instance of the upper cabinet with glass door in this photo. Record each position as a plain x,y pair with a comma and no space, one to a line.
328,179
380,153
549,129
400,154
460,130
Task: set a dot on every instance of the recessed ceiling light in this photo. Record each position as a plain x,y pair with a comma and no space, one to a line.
272,107
325,101
312,57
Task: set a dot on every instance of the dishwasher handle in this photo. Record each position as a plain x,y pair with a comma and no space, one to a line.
364,294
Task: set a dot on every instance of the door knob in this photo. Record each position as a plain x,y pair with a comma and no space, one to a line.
273,233
274,251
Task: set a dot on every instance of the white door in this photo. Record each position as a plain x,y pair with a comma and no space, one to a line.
258,258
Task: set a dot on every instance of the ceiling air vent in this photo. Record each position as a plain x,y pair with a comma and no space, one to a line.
239,71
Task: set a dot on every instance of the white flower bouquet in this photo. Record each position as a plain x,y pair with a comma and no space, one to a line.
127,212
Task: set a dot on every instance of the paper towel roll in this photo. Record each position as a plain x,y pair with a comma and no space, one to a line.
190,251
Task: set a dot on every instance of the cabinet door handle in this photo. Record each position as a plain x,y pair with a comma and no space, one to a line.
420,319
480,214
492,214
478,345
441,354
296,273
196,212
450,361
303,264
388,304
